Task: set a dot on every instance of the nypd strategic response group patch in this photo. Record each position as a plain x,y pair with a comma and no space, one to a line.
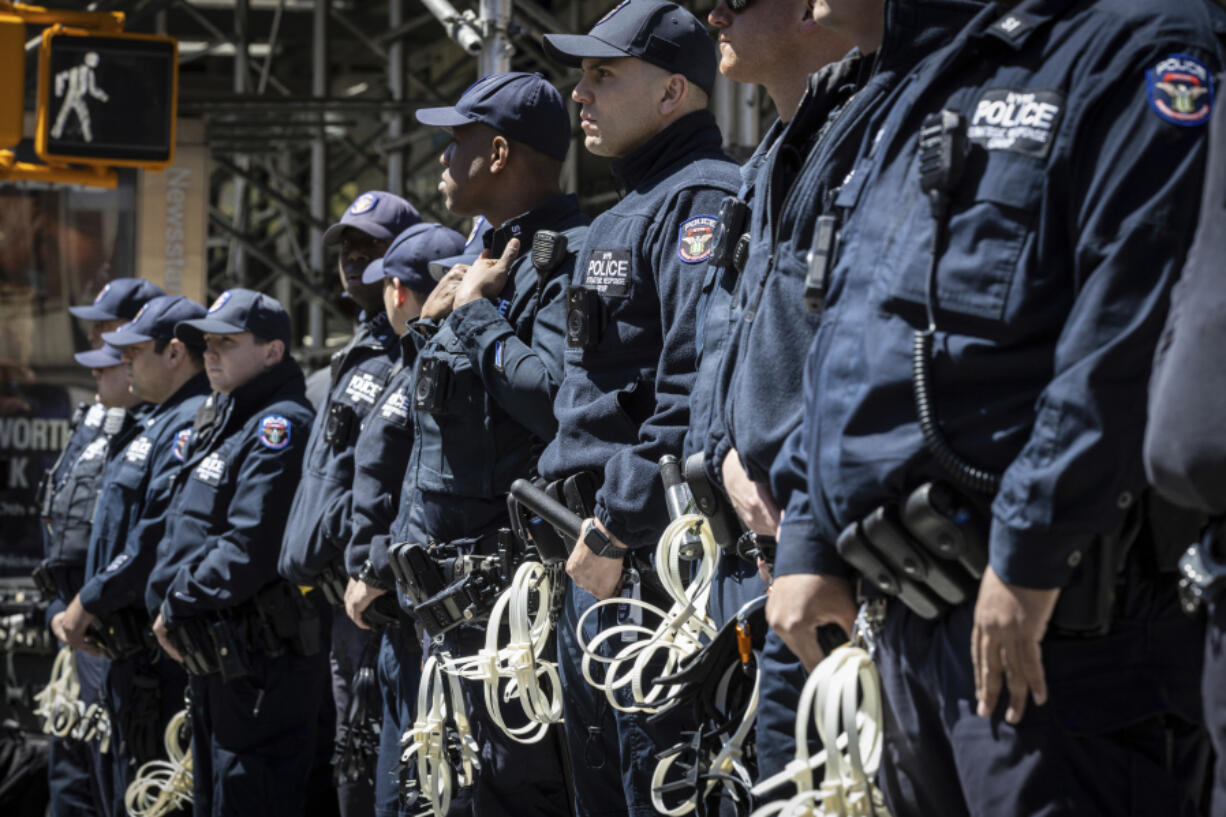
274,432
1180,90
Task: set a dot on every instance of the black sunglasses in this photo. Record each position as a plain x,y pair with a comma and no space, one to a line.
737,6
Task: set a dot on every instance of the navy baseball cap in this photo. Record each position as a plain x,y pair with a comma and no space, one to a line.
103,357
522,106
411,253
473,246
378,214
238,310
655,31
156,320
120,299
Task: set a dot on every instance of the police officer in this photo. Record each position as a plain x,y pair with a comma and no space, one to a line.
489,362
1184,452
381,456
648,68
318,526
144,690
252,643
68,527
1011,230
756,379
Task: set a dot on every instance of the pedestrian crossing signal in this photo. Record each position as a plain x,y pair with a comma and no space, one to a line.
12,69
106,100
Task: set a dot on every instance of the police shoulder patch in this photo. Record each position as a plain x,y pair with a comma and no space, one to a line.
696,239
179,449
220,302
363,204
274,432
1180,90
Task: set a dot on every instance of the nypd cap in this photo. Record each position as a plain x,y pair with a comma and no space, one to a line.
102,358
156,320
408,258
379,214
120,299
238,310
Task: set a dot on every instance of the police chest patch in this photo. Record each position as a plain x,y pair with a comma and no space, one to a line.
220,302
94,450
608,272
95,416
179,449
1016,120
138,451
696,239
396,406
1180,90
363,388
211,469
274,432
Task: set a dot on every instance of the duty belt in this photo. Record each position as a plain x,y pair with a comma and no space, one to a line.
123,634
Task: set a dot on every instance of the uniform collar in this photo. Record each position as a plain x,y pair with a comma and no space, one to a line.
1014,26
693,133
374,331
283,380
916,28
198,384
554,213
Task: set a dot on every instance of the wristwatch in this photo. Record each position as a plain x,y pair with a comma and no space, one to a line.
601,545
368,575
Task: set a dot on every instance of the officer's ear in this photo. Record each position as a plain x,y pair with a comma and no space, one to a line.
500,153
274,352
400,293
674,92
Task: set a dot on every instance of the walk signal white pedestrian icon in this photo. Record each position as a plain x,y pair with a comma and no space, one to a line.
74,84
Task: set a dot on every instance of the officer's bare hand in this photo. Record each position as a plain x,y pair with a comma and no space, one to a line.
799,603
72,623
1009,624
163,636
487,277
358,596
598,575
752,501
439,304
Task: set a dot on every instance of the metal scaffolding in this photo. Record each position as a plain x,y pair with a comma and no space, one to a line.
306,103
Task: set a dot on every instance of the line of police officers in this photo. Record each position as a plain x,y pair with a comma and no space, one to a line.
929,301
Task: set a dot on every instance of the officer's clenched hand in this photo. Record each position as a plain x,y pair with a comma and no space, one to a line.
752,500
799,603
70,626
598,575
163,636
439,304
1009,624
358,596
487,276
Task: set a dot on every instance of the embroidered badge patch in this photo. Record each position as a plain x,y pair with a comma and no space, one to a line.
211,469
94,450
1180,90
475,233
396,406
95,416
1016,120
138,451
363,388
116,563
274,432
608,272
221,301
613,11
363,204
696,239
102,293
179,449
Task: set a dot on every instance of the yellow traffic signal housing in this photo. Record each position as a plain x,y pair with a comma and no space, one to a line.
107,99
12,78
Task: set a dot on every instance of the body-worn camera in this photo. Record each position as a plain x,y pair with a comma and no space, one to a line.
821,259
733,214
432,385
449,586
584,318
341,427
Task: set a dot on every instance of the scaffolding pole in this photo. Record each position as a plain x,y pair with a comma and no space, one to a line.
319,168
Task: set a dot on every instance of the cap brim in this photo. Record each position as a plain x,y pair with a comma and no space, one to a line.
373,273
441,266
573,49
128,338
96,359
374,229
447,117
193,331
91,313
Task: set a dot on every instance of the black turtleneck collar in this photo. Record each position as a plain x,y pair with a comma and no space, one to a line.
283,380
692,134
555,213
916,28
197,384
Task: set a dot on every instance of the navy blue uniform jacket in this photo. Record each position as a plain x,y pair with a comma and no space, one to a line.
318,527
1064,236
134,502
228,513
626,403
